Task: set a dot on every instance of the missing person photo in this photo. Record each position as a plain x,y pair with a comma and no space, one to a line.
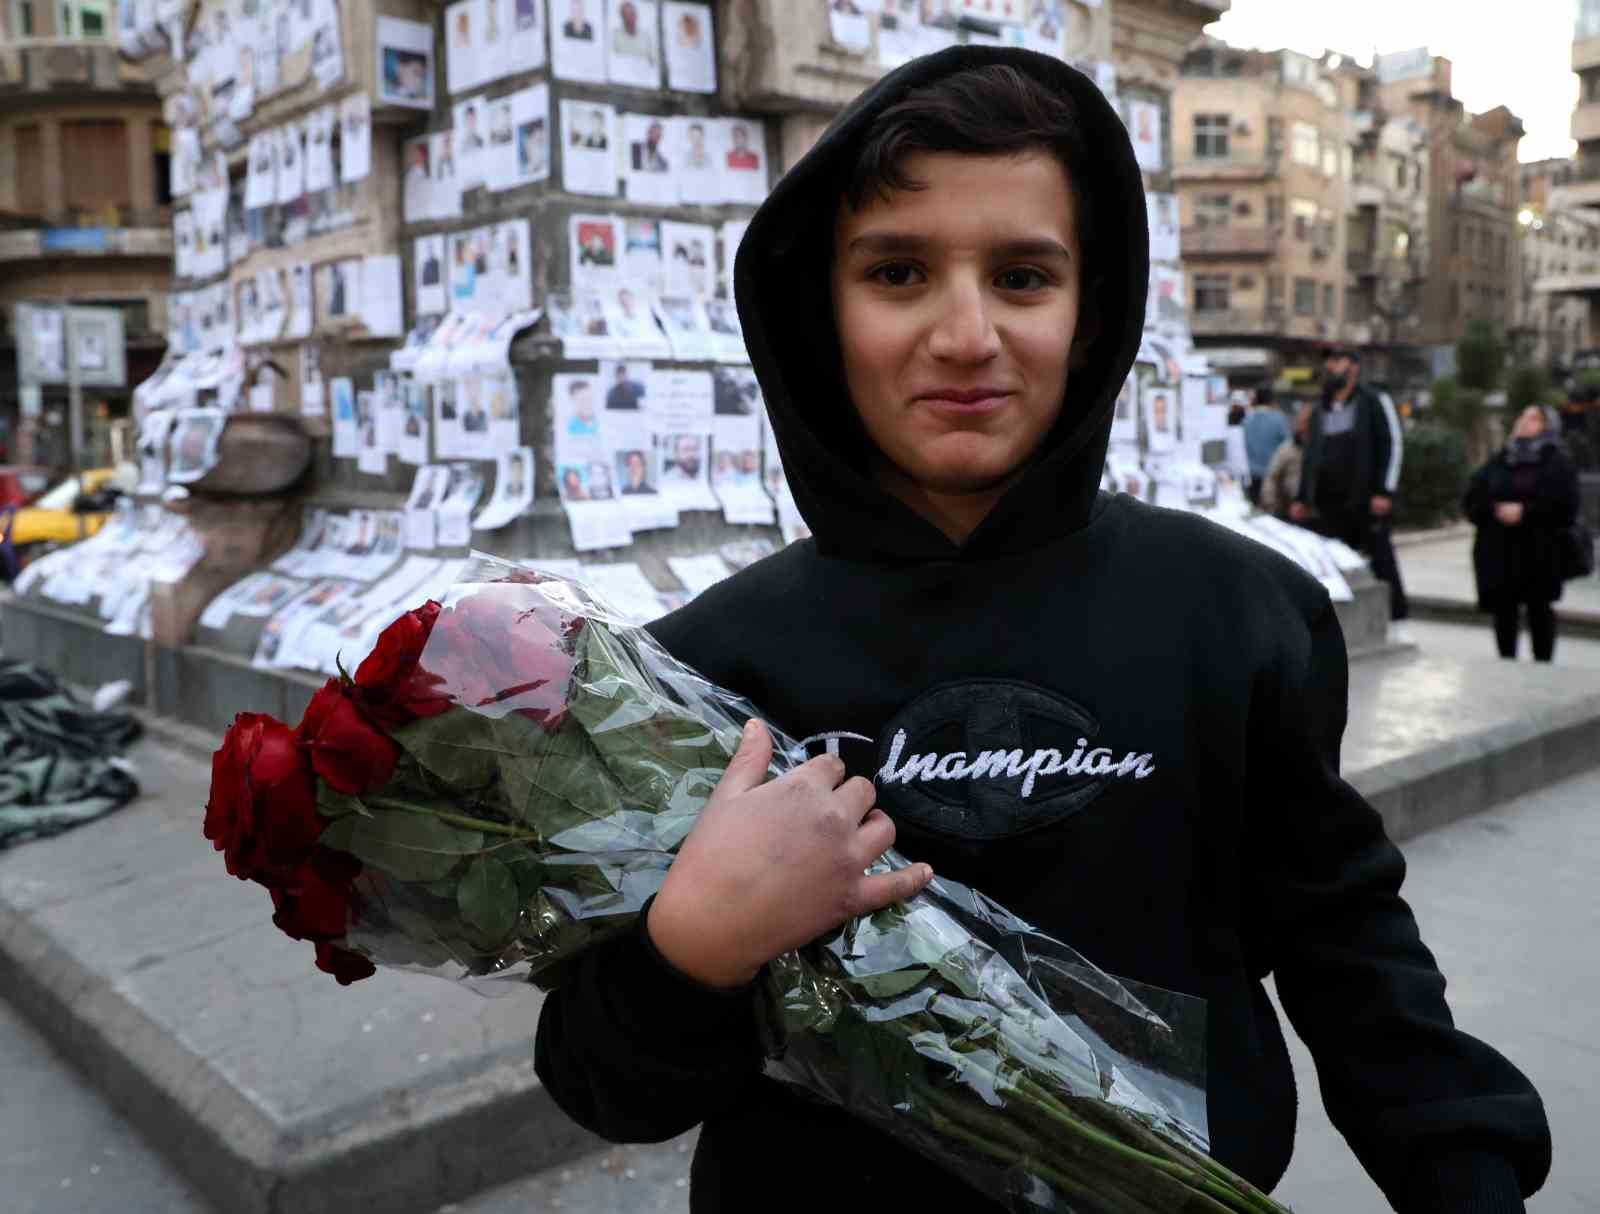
633,470
405,75
683,459
648,155
582,421
533,148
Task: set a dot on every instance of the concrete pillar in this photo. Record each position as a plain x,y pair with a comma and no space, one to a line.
141,165
50,169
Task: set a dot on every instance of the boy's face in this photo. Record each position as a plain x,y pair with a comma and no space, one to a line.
956,307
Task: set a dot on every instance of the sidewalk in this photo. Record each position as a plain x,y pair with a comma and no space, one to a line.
1437,568
274,1089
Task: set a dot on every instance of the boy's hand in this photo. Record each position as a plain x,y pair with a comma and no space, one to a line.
769,867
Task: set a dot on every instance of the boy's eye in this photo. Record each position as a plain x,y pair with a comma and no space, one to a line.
894,274
1022,278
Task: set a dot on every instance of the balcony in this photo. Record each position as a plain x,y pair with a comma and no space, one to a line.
1586,122
1227,168
69,65
1585,54
145,234
1267,322
1227,241
1366,194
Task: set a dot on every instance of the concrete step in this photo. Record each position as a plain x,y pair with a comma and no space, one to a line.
272,1089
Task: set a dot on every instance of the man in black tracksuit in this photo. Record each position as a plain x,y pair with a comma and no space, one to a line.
1352,470
942,301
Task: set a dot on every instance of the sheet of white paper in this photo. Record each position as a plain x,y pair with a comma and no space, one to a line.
346,439
405,63
699,573
648,172
625,587
633,45
691,51
578,42
589,148
381,296
355,137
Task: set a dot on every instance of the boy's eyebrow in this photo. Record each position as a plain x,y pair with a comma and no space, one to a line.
878,243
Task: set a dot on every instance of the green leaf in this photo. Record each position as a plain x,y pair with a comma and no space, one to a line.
412,847
487,898
553,781
458,747
331,803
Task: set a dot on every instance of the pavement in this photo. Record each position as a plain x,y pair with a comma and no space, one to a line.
276,1090
1437,568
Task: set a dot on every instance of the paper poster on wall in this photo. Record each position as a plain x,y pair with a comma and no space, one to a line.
183,243
261,178
355,137
633,324
744,160
1163,219
413,448
500,156
727,338
313,400
299,319
1125,418
461,64
729,237
698,175
1144,125
1161,417
274,304
530,135
633,51
1205,409
594,242
690,269
736,469
447,435
327,44
291,162
371,458
381,308
445,193
525,41
471,146
849,25
338,290
184,167
577,42
428,265
416,185
456,507
196,434
421,519
691,52
319,150
899,31
648,171
1170,304
513,490
578,320
684,322
474,440
346,436
588,148
405,63
584,476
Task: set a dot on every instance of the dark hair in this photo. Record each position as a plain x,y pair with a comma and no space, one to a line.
1265,396
995,110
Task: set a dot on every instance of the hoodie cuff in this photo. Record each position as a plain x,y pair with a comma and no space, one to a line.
667,997
1463,1182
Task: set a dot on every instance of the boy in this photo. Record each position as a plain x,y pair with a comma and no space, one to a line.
942,301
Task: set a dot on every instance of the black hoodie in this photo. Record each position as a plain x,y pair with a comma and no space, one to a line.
1202,839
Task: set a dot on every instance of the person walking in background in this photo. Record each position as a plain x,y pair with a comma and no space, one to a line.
1265,430
1521,502
1281,484
1351,473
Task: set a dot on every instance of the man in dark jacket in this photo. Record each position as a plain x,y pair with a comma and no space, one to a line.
1351,470
942,301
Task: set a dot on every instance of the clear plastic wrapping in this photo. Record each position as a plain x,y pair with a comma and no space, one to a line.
534,764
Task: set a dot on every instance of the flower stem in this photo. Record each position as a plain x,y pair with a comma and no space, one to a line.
411,807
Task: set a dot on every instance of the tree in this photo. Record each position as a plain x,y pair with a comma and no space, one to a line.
1480,357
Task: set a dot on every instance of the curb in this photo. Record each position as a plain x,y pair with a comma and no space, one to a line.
1573,621
1434,535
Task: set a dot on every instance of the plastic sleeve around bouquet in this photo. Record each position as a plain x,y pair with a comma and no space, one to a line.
551,758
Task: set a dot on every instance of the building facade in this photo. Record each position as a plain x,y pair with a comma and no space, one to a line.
1262,147
84,208
1560,245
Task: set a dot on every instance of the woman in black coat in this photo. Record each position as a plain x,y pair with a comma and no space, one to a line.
1522,501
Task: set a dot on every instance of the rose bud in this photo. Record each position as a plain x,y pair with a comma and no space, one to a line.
345,749
262,811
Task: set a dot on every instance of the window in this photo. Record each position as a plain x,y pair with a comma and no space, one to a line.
1305,218
1305,297
1275,210
97,150
1211,292
1213,210
1330,160
25,18
1329,308
1306,148
1211,136
161,151
1274,138
84,18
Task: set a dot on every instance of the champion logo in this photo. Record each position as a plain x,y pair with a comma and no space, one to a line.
1010,764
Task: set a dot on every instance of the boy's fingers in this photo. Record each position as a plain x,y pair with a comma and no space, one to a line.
748,767
874,837
885,889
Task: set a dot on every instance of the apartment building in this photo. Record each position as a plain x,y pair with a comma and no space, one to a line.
84,213
1560,247
1262,156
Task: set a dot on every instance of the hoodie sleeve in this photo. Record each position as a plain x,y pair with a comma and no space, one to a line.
1439,1120
1391,446
634,1051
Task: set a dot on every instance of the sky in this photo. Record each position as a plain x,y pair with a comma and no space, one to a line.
1518,55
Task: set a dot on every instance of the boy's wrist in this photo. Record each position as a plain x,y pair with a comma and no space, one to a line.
689,949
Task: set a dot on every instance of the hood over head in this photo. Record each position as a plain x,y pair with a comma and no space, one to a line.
782,285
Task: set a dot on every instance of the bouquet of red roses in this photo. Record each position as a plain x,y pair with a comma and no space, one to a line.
506,778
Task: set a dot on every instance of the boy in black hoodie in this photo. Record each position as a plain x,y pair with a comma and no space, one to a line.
942,301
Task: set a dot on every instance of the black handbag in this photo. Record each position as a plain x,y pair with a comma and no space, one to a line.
1577,552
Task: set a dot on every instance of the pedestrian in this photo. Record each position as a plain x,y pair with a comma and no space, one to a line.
1522,502
969,592
1265,430
1351,473
1281,485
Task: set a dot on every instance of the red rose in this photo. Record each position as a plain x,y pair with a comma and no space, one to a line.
314,903
344,964
391,684
262,811
495,647
345,749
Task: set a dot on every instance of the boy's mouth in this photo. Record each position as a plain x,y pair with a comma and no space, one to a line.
966,400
